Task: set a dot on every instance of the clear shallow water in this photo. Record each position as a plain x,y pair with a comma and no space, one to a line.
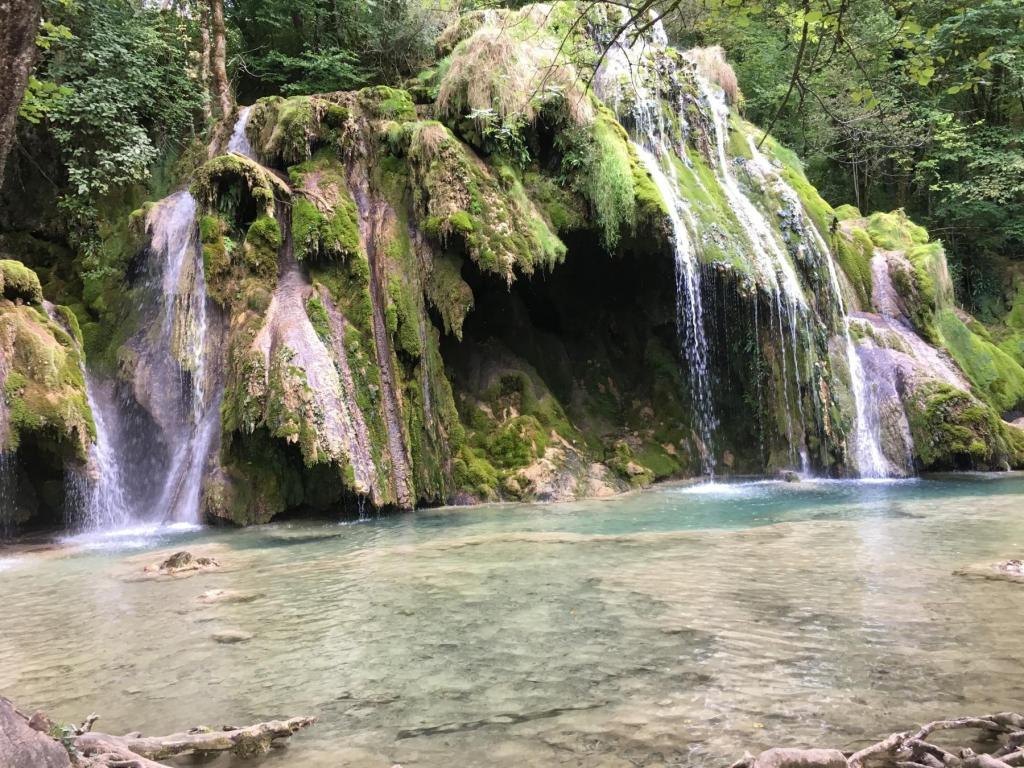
674,627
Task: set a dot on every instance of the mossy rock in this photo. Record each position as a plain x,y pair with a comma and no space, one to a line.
995,375
895,231
953,430
854,251
458,197
846,212
626,464
262,242
449,293
44,389
325,220
382,102
19,283
284,131
216,185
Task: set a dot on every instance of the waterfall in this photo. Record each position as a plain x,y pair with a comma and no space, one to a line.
653,148
770,258
239,142
871,461
689,308
189,415
8,493
104,506
96,498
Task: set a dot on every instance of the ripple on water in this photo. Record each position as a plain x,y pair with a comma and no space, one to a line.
131,537
527,636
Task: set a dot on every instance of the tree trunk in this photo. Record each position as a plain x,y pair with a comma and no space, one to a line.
221,87
19,24
204,63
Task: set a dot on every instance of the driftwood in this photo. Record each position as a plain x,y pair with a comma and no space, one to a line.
100,750
134,750
1002,733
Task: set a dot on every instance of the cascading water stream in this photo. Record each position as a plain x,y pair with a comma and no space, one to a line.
871,461
191,413
689,309
652,147
96,497
771,259
239,141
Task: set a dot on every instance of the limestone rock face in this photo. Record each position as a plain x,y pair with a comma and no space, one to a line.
24,747
940,385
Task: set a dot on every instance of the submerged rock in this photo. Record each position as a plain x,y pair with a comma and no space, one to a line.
1004,570
225,596
231,636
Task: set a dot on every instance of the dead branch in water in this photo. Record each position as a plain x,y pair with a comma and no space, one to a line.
137,750
910,749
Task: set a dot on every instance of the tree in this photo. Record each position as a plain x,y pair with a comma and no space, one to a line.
19,25
221,87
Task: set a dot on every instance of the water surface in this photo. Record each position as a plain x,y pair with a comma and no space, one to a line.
674,627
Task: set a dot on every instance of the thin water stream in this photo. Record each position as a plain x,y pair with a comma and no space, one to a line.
678,626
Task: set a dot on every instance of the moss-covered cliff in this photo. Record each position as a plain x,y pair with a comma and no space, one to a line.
492,284
45,421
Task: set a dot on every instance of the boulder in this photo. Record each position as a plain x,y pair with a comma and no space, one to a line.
21,746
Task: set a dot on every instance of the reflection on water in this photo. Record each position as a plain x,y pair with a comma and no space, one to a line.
677,626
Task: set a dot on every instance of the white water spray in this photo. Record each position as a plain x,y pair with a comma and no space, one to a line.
871,461
770,259
182,349
653,148
239,141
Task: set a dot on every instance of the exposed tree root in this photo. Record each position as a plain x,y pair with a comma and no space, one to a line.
137,751
910,749
91,749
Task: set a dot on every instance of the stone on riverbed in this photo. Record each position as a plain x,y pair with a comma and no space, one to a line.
231,636
1004,570
176,565
223,596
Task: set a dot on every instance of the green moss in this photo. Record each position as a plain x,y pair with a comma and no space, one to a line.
217,252
217,185
449,293
19,283
317,314
460,199
603,169
262,242
329,227
952,430
854,253
349,284
995,375
474,474
517,442
383,102
817,208
406,324
846,212
625,464
70,321
44,388
284,130
895,232
565,209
